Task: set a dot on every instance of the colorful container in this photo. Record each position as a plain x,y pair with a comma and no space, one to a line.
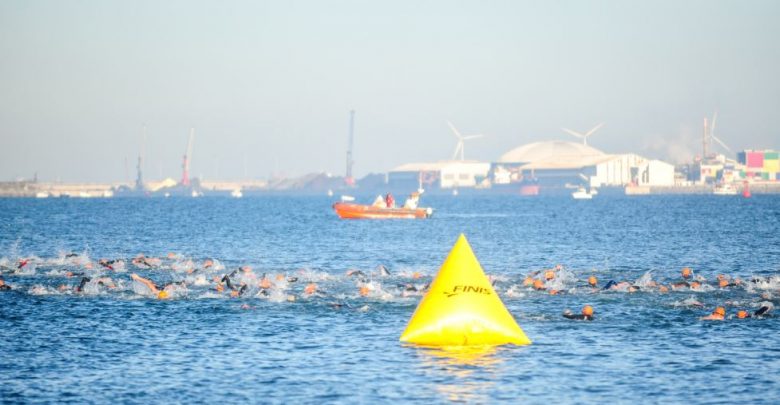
764,176
742,157
755,159
771,155
771,165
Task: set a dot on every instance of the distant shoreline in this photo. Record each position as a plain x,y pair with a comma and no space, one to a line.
31,189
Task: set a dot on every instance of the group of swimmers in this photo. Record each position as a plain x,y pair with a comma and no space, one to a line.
210,278
554,282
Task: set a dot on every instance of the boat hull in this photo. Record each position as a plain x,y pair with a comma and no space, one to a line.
359,211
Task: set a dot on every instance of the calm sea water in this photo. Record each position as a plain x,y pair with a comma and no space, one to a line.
118,345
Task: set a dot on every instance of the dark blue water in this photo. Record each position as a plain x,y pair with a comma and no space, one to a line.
119,344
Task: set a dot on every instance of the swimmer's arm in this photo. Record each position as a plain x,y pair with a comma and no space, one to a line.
146,282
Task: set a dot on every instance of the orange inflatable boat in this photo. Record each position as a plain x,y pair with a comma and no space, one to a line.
347,210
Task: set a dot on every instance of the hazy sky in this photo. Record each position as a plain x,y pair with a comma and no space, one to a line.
271,83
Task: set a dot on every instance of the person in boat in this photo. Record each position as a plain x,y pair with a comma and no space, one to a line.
412,201
718,314
390,201
379,202
586,315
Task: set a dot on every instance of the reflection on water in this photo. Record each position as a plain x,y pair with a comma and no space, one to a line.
461,373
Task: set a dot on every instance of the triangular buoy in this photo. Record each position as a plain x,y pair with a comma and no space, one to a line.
461,308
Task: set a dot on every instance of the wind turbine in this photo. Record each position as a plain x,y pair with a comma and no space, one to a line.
460,146
185,175
712,133
584,136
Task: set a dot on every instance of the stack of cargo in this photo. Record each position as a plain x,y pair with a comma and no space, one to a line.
771,165
760,164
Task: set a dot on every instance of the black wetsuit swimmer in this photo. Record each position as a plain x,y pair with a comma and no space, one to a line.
610,284
5,287
579,317
241,290
226,280
762,311
383,271
84,281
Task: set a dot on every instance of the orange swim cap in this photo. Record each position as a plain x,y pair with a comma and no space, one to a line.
720,311
592,280
663,289
310,288
538,285
528,281
364,291
416,275
587,310
742,314
280,277
553,292
723,283
695,284
234,293
720,277
162,295
220,288
549,275
686,272
265,283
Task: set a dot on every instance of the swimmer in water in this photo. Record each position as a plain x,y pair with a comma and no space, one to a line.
84,281
235,291
357,273
103,281
717,315
160,293
310,289
592,281
586,315
612,285
142,262
4,286
686,272
764,310
107,263
382,270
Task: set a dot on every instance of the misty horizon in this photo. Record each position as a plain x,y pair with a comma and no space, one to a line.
268,86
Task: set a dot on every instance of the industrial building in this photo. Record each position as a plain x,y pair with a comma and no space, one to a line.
550,166
443,175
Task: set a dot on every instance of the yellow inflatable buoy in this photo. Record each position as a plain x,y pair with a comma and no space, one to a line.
461,308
